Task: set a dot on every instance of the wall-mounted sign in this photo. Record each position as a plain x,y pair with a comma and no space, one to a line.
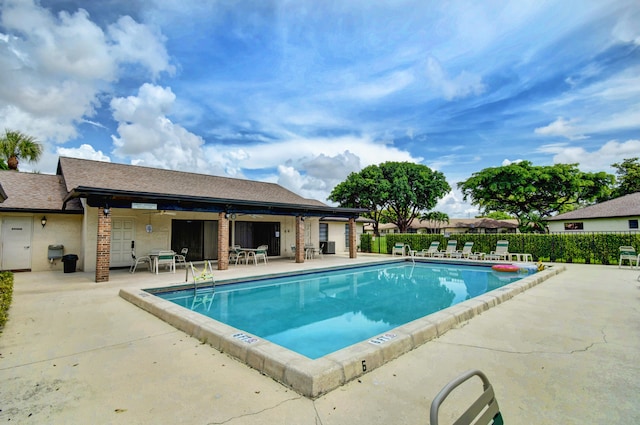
143,206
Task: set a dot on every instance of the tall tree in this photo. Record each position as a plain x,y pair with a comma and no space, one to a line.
15,145
531,193
628,172
365,189
403,189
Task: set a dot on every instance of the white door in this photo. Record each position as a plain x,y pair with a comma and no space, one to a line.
16,243
122,233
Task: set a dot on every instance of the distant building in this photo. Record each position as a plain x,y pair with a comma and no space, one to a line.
617,215
455,226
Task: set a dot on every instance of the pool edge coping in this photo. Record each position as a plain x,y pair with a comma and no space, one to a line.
313,378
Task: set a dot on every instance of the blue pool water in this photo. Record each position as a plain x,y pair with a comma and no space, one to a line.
318,313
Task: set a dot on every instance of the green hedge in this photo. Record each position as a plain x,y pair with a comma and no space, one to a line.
6,293
589,248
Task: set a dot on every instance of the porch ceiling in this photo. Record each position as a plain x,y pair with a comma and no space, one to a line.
100,197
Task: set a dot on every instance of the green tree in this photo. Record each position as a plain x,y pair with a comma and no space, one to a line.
436,220
403,189
497,215
15,146
628,172
365,189
531,193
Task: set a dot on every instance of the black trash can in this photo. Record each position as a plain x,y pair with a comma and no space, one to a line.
70,261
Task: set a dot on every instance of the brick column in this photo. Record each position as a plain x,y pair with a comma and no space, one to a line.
353,244
103,251
299,240
223,241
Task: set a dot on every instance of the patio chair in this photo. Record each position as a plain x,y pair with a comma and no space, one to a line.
433,248
260,252
166,258
628,253
452,247
236,253
182,257
398,248
145,259
501,252
466,251
484,410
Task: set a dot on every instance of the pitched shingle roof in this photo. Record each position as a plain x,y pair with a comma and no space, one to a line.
103,182
624,206
107,175
34,192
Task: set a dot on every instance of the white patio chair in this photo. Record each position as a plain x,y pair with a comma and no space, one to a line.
166,258
261,252
182,257
145,259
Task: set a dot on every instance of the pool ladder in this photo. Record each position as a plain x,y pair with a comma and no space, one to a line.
203,281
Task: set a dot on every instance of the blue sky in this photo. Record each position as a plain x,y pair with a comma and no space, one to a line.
304,92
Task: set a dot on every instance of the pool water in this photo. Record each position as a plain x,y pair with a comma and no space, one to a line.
318,313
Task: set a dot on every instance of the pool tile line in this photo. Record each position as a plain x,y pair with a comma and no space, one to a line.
313,378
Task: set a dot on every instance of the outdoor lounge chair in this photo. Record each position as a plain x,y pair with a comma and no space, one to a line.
452,247
628,253
138,260
484,410
501,252
398,248
466,251
433,248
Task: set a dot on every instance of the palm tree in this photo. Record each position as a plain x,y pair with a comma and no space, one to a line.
15,145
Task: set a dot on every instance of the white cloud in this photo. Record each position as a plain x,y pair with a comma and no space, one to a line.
506,161
463,85
561,127
137,43
597,160
85,152
56,68
149,137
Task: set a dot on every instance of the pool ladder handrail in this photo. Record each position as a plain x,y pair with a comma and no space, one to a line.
484,410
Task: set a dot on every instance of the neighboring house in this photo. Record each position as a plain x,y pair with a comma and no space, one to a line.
455,225
100,210
617,215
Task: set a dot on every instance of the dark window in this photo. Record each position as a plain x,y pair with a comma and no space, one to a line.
346,235
574,226
633,224
324,232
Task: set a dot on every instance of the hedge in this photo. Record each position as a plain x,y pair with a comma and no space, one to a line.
6,293
588,248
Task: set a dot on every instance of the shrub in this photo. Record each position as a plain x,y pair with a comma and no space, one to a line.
590,248
6,293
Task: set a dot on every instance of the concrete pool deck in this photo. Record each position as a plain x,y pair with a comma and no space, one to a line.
565,351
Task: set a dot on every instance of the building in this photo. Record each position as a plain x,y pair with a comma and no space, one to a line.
101,211
617,215
454,226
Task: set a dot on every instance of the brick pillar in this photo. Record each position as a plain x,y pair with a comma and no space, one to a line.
299,240
223,241
103,252
353,244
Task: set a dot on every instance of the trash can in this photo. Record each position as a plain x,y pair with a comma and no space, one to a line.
70,261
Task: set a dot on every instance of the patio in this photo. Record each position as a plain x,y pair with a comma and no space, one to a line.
73,351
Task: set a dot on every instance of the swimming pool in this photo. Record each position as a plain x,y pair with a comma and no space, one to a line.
314,377
317,314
